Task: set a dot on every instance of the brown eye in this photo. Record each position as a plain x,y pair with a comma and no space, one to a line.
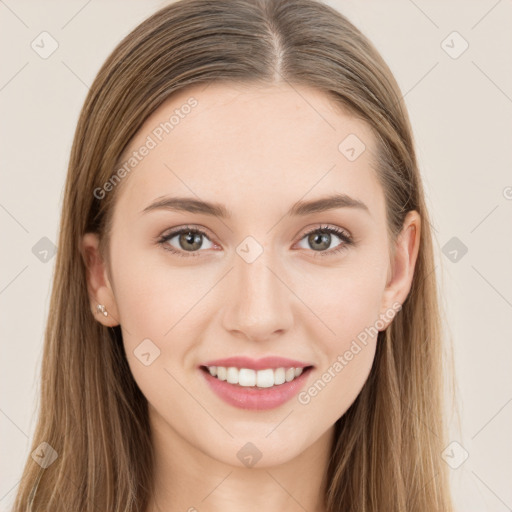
321,239
188,240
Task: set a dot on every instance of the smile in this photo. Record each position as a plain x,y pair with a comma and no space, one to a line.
258,388
247,377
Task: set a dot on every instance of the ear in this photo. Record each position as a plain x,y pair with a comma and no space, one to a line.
98,285
402,266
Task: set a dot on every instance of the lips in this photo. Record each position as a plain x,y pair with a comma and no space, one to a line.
254,384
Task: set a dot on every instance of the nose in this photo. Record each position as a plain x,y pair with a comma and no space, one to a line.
258,304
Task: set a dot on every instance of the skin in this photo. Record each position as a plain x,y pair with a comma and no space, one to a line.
257,150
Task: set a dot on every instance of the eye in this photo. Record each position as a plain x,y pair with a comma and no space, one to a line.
320,239
188,240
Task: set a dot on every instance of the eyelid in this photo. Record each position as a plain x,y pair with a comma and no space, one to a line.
187,227
337,230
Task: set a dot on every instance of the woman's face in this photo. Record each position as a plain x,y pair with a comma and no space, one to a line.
255,278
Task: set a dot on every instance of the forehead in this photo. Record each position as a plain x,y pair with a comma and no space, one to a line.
254,148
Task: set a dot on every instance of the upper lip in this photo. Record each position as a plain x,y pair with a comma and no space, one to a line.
257,364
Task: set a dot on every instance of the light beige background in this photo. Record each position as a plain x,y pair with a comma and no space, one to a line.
461,111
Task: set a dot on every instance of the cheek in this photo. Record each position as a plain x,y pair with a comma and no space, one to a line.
163,311
349,306
336,385
347,302
153,296
158,308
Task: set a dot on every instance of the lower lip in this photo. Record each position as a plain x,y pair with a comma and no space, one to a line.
256,398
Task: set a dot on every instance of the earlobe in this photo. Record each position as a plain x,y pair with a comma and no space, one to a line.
101,296
404,262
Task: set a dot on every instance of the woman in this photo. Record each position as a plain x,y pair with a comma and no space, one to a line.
244,310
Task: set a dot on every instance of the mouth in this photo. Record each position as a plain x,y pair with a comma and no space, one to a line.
258,390
258,379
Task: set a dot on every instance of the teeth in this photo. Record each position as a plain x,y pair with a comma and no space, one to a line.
247,377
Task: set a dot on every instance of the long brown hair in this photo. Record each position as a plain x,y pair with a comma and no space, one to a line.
387,449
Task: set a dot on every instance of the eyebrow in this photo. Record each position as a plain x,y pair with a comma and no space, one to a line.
300,208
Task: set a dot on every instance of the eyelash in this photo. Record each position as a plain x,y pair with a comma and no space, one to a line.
343,235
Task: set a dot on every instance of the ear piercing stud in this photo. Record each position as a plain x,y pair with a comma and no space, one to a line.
100,308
